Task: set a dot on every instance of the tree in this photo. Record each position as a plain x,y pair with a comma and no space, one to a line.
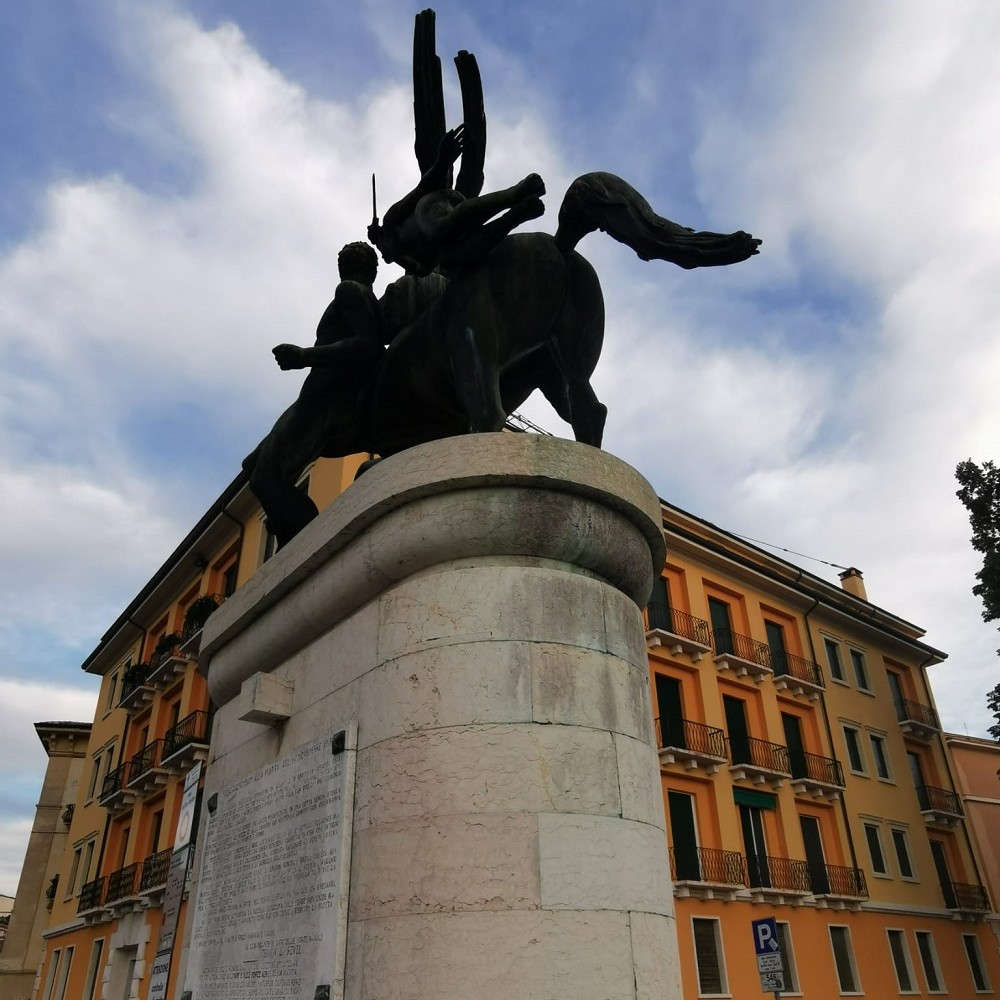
993,704
980,493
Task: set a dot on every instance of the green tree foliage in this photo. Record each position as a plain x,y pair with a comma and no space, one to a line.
993,703
980,493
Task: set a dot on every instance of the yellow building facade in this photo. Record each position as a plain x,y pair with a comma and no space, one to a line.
805,778
151,727
803,770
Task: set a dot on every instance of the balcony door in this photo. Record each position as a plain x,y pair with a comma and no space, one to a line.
917,774
819,880
659,606
736,725
896,688
722,628
943,874
776,644
793,740
671,709
752,825
684,836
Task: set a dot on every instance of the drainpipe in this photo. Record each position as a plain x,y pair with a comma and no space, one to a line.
829,734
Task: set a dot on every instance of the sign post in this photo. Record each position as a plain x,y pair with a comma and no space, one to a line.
768,951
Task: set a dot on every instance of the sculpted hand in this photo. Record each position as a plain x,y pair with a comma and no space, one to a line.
289,356
451,145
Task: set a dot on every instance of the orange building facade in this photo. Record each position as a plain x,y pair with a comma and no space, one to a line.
805,777
803,769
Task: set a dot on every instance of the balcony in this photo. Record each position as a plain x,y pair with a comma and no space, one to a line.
837,886
916,720
165,667
690,743
115,791
939,806
777,879
797,675
758,761
153,876
92,896
706,873
185,743
964,897
136,693
676,631
746,657
815,775
122,894
145,773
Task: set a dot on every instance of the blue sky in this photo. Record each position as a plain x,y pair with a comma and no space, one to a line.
176,179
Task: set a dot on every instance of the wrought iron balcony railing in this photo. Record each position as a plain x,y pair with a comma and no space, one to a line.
790,665
662,616
965,896
815,767
783,874
694,736
938,800
727,642
748,750
192,728
706,864
122,884
837,880
912,711
144,761
92,895
135,678
154,871
114,781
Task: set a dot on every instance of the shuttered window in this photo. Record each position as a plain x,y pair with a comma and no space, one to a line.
843,960
901,960
929,960
708,957
976,966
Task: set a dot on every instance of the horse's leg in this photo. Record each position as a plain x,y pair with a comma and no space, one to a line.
473,344
576,340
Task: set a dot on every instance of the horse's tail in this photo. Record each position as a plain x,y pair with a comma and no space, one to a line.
604,201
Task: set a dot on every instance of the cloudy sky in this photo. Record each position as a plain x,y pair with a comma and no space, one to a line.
176,179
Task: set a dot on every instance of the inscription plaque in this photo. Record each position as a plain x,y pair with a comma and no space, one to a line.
270,907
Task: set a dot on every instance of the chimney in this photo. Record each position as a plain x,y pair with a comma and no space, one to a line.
854,583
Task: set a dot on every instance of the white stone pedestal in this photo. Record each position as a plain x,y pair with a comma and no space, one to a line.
474,605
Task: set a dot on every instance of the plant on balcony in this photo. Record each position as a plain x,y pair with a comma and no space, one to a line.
166,644
134,677
198,613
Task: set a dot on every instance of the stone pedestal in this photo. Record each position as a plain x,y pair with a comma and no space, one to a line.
473,605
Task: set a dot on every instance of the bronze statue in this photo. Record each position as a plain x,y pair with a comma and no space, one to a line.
483,317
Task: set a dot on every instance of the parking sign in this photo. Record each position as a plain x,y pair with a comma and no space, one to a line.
767,948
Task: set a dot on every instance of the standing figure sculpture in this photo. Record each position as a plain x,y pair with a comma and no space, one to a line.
349,344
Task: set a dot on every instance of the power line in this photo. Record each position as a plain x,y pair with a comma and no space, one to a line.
791,552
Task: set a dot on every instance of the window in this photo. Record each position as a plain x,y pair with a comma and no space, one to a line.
708,957
929,960
93,968
900,954
269,543
976,965
229,580
880,756
843,959
902,849
722,628
874,837
853,742
94,773
60,991
51,977
788,970
833,659
776,646
860,670
112,691
74,871
88,857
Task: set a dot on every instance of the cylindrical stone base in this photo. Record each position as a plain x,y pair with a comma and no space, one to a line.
474,605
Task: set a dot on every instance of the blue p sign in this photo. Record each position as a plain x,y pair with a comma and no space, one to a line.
765,936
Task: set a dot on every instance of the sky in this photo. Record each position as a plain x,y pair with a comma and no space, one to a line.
176,179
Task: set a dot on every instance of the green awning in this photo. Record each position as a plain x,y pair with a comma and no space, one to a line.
762,800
